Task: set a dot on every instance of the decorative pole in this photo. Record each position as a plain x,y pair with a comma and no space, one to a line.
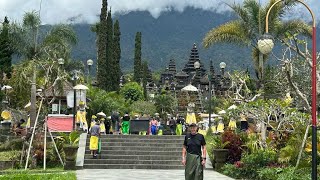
266,44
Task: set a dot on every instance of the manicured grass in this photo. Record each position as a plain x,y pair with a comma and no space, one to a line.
27,175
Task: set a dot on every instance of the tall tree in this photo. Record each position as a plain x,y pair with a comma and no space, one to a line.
53,45
247,29
110,55
145,74
137,58
5,50
101,31
117,55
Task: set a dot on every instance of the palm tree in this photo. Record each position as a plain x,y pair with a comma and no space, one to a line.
56,43
42,50
250,25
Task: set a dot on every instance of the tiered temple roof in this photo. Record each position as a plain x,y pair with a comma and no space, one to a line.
194,56
172,66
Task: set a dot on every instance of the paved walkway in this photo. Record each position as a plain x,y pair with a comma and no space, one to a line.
142,174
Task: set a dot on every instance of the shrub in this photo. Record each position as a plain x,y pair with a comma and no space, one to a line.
250,164
287,173
232,171
13,144
234,146
209,140
259,159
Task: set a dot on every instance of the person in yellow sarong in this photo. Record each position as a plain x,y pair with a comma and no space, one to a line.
102,126
94,138
93,121
101,117
81,117
232,124
220,128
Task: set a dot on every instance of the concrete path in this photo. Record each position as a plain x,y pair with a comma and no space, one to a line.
141,174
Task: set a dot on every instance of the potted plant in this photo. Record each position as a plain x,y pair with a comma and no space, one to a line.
70,147
219,152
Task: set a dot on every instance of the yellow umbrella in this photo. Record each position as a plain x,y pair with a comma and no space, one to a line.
191,118
6,115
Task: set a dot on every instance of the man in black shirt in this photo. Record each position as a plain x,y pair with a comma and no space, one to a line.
194,154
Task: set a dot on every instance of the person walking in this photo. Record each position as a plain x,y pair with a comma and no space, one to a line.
153,126
194,154
94,139
172,125
125,124
179,128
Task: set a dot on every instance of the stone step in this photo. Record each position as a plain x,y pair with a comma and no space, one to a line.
131,161
144,144
141,140
143,152
141,148
155,157
141,137
131,166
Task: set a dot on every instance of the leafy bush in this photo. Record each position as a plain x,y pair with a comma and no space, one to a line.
209,140
250,164
70,140
234,145
288,173
10,155
232,171
13,144
259,159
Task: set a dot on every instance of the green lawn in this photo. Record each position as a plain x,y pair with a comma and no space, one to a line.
39,176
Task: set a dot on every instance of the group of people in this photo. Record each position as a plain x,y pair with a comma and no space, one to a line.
193,150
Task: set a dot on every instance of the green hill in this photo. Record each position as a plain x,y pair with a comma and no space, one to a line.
169,36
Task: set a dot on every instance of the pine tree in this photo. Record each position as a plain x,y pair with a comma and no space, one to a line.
109,48
101,30
137,58
5,50
117,55
145,73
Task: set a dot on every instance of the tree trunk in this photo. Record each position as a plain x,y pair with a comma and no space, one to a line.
261,87
33,107
302,145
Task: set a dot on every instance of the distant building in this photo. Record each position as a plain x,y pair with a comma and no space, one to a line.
173,80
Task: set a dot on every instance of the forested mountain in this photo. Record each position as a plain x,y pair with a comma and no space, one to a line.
170,36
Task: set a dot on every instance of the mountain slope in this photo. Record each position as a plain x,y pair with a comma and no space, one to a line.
170,36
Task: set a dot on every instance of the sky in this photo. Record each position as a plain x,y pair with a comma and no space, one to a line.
68,11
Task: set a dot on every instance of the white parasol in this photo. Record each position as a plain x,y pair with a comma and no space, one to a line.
190,88
80,87
222,112
6,87
102,114
28,105
232,107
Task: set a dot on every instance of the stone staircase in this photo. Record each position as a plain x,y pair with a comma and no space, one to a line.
136,152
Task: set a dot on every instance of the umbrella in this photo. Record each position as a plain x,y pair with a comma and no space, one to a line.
6,87
232,107
189,88
102,114
222,112
207,115
28,105
80,87
215,115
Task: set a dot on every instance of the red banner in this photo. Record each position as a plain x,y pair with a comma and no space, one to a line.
60,123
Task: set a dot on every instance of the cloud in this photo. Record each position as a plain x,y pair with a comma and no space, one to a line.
62,11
